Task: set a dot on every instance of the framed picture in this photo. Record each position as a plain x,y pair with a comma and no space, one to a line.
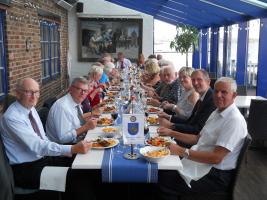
109,35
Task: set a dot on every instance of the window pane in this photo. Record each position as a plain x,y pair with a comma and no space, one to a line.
220,53
232,50
253,50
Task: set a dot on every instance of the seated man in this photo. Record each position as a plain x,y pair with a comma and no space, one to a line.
209,165
122,62
201,111
65,122
26,145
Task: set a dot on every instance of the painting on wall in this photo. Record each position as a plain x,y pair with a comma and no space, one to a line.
109,35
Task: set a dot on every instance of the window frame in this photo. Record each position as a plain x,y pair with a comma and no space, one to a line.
52,40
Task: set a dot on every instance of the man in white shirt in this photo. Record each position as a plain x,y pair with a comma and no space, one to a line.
208,166
26,145
122,62
65,122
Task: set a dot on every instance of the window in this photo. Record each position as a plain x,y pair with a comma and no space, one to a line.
3,78
232,50
50,50
253,50
220,52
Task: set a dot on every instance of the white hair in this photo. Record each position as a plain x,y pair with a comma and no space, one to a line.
228,80
94,70
108,67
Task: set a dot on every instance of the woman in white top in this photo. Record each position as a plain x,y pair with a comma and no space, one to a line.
187,100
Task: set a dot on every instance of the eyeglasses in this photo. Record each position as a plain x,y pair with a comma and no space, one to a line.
30,93
80,90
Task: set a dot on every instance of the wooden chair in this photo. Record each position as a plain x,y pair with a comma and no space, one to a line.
229,195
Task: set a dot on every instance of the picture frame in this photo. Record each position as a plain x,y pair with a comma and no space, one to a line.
109,35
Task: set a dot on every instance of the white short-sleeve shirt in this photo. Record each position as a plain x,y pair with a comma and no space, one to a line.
226,129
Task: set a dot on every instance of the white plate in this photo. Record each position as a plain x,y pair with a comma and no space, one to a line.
158,109
166,139
147,149
115,144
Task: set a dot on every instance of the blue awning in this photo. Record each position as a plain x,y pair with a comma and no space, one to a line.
199,13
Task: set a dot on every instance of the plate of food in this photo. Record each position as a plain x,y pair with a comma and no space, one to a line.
153,121
109,109
114,88
109,100
104,121
154,154
110,131
159,141
104,143
112,93
153,110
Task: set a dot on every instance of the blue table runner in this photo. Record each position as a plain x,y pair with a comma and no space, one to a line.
116,168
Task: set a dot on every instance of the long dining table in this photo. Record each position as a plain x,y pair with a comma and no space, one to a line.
93,159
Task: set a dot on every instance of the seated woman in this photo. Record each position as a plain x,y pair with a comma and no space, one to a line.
188,98
151,75
94,76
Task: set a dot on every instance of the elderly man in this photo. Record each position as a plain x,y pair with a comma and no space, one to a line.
170,88
202,109
65,122
26,145
209,165
123,62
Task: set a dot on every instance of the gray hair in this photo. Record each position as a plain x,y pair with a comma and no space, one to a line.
20,83
230,81
187,71
108,67
163,62
80,79
203,72
95,69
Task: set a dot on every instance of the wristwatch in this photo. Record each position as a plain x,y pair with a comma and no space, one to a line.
186,153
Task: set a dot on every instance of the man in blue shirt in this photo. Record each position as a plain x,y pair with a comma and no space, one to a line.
26,145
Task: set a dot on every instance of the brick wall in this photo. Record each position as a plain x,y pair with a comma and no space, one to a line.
22,22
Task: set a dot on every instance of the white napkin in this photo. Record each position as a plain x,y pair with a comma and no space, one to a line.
193,170
53,178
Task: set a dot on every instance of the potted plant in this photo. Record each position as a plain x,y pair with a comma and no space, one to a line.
185,40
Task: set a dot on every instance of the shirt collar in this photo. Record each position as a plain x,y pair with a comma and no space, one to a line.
203,96
71,101
227,110
22,108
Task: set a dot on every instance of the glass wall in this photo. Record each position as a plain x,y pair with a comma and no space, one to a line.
209,46
253,50
231,50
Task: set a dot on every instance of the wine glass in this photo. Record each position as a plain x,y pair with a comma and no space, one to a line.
114,115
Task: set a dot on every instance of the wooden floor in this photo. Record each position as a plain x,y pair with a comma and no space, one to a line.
252,183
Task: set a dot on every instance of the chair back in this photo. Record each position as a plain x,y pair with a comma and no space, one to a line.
240,160
257,119
49,102
43,113
6,175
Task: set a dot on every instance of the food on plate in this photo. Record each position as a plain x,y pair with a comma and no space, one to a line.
110,130
102,143
159,141
109,100
112,93
157,153
109,108
105,121
153,110
153,120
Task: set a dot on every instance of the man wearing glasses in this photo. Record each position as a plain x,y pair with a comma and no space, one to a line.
65,123
26,145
